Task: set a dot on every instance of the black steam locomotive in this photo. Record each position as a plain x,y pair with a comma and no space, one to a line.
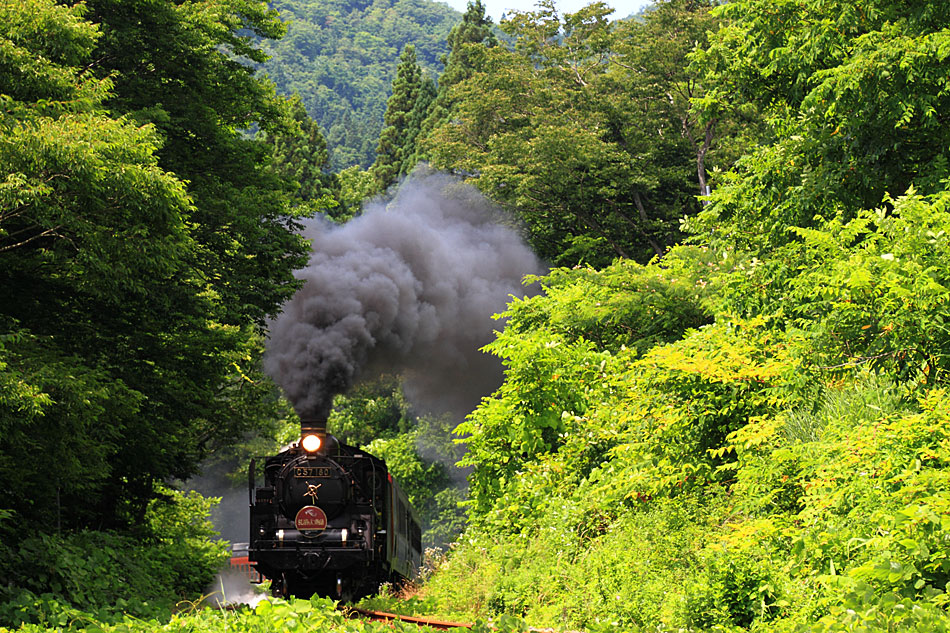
330,520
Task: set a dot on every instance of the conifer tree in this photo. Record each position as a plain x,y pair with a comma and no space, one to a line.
301,158
475,29
398,135
423,105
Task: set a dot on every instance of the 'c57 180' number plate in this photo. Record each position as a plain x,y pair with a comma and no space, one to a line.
311,471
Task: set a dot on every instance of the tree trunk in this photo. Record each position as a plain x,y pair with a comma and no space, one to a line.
701,158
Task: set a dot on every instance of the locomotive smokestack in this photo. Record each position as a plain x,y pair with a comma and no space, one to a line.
313,425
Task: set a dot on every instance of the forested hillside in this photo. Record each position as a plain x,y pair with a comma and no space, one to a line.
340,57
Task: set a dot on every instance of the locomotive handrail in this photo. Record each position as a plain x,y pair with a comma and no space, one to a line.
251,480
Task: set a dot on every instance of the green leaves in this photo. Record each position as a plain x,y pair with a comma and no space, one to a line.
574,131
340,56
852,102
114,577
132,294
802,403
405,110
568,355
870,290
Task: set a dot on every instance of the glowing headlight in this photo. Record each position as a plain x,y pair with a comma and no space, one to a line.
311,443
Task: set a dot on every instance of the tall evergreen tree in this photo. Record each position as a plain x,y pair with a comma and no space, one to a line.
300,157
420,111
340,56
401,121
475,30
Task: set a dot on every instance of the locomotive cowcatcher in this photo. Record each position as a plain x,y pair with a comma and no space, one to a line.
330,520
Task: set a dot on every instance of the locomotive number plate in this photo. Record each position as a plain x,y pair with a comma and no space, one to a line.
303,472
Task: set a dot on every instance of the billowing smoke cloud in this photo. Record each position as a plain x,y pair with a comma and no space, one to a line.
406,288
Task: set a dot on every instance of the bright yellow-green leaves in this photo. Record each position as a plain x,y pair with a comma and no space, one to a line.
807,418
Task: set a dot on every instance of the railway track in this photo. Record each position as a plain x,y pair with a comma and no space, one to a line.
440,625
382,616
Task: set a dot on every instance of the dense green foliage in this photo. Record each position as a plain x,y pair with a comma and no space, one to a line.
143,241
750,433
766,474
747,431
412,94
295,616
184,69
300,157
340,56
853,94
418,450
584,129
112,576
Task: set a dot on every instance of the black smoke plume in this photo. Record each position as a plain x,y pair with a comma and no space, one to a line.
408,288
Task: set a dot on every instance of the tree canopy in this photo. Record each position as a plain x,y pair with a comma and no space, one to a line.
748,434
584,128
721,411
854,104
143,241
406,109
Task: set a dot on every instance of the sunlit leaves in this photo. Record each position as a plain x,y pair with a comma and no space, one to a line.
127,355
812,407
575,132
566,353
853,92
412,93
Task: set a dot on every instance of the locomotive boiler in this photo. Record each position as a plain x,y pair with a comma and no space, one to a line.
327,518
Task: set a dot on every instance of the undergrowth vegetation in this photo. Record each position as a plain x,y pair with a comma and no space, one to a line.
52,579
750,433
767,470
293,616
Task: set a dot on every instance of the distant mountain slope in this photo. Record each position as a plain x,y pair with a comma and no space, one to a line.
341,56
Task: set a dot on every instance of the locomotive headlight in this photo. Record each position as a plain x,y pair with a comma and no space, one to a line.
311,443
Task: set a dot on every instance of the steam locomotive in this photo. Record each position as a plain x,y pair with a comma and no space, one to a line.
330,520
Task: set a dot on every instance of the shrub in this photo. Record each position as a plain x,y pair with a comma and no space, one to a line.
53,575
733,590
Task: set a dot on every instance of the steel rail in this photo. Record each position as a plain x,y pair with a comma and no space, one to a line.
383,616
